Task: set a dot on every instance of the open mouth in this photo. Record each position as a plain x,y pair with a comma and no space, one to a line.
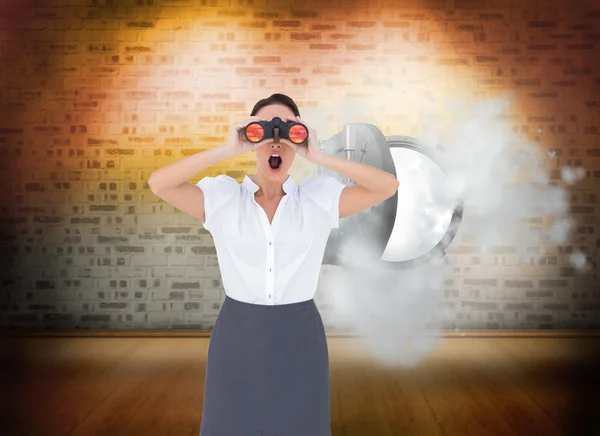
275,162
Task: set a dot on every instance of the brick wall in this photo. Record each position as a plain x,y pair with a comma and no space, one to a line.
97,94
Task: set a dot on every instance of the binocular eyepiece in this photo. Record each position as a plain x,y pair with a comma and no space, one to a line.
291,130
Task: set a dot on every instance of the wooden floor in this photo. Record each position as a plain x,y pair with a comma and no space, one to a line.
154,386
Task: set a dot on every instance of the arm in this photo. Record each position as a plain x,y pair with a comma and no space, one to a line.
170,183
179,172
372,185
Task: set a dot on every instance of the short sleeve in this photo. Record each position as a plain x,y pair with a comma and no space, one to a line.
217,191
325,191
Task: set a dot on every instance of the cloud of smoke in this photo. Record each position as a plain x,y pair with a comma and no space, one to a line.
502,182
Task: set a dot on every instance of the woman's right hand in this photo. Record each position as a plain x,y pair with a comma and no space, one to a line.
237,139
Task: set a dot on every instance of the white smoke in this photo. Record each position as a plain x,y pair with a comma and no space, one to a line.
502,181
578,260
572,175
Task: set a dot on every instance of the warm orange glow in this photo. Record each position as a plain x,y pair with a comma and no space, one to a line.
95,97
255,132
298,134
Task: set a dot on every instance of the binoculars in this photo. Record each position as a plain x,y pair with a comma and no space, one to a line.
292,130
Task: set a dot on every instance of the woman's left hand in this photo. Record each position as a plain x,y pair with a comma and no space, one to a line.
308,149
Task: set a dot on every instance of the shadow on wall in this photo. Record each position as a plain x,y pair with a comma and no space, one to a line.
32,69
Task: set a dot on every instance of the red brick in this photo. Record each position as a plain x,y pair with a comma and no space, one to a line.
202,24
140,95
340,83
57,48
120,36
252,24
138,48
250,71
140,24
100,24
565,83
323,46
105,70
454,37
526,82
101,48
100,94
467,4
176,24
581,46
541,47
324,26
405,25
469,27
287,23
417,14
269,15
450,14
305,13
230,106
119,60
452,60
361,24
157,36
119,12
471,48
272,36
139,117
341,36
491,36
560,36
305,36
491,14
417,59
525,60
156,59
546,25
490,59
266,59
593,37
333,70
361,47
135,70
216,96
233,13
176,95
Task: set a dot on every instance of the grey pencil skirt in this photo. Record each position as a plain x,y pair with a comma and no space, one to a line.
267,372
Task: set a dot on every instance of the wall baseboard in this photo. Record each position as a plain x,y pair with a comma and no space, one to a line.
330,334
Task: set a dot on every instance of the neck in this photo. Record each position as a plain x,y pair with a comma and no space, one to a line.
270,189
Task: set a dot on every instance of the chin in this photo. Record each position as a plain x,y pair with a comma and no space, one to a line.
275,176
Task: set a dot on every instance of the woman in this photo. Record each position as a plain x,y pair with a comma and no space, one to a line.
268,369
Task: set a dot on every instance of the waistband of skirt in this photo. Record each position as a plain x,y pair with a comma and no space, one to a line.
269,306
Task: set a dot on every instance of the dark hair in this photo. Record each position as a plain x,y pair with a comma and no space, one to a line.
276,99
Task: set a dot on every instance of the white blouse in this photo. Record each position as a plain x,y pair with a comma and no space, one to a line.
276,263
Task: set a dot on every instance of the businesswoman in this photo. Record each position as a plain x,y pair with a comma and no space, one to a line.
268,367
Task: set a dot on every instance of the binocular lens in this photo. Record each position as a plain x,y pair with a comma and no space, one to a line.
298,133
255,132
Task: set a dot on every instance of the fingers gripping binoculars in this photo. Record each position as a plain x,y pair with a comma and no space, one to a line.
291,130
